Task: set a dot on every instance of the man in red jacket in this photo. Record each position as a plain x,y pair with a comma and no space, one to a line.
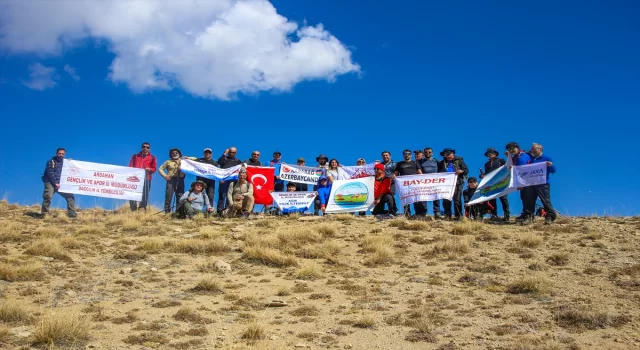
144,160
382,193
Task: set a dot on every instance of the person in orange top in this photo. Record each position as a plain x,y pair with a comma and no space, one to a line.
382,193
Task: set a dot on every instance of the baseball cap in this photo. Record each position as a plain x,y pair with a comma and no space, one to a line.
208,150
301,159
379,166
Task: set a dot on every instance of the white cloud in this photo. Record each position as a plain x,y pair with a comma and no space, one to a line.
212,48
72,72
41,77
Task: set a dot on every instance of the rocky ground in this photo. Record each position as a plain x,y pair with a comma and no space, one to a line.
120,280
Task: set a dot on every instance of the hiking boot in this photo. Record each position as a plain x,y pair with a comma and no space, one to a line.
506,218
548,220
391,216
436,217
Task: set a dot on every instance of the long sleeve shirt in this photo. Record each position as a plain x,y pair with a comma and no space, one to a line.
200,200
173,168
245,189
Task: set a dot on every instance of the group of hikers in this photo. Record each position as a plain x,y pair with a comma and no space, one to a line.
235,198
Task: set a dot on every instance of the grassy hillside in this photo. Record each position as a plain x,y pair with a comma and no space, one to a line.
132,280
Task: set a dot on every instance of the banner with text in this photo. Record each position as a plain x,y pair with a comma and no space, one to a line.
102,180
300,174
356,171
426,187
495,184
529,175
349,196
209,171
293,202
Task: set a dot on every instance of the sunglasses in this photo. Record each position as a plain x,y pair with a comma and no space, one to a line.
146,146
448,153
511,149
256,154
405,153
232,152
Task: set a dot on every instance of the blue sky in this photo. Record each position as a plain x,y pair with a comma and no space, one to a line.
467,75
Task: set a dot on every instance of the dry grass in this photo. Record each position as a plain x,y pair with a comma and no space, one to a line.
131,224
48,232
297,238
207,232
309,272
194,246
450,246
306,310
254,332
327,230
187,314
10,231
269,257
530,240
558,259
48,247
538,285
146,338
207,285
380,249
90,230
11,311
365,322
30,271
468,227
404,224
581,318
63,329
151,245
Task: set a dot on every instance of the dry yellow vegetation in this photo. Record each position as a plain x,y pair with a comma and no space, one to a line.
149,281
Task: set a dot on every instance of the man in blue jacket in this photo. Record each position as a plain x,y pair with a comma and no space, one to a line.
323,192
542,191
51,179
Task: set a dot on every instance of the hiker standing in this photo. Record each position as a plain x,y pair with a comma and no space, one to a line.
453,164
51,180
490,166
226,161
143,160
174,177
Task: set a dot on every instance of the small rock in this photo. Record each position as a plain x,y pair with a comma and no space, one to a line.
217,223
144,263
300,345
348,346
274,337
236,229
276,303
125,270
222,266
418,279
21,332
154,269
191,235
46,258
71,293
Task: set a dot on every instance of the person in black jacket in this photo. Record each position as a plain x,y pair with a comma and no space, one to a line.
51,179
474,211
210,184
255,159
226,161
453,164
492,165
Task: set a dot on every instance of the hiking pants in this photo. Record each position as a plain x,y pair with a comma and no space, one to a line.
505,206
544,193
175,186
47,195
457,203
145,197
387,199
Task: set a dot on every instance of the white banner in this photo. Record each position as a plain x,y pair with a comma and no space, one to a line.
529,175
425,187
293,202
349,196
300,174
495,184
102,180
356,171
209,171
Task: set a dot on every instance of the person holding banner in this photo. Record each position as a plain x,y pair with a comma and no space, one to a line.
333,170
389,168
275,163
226,161
143,160
542,191
194,201
240,196
323,162
51,180
521,158
492,165
210,184
382,193
323,191
174,177
361,162
300,187
429,165
473,211
410,167
453,164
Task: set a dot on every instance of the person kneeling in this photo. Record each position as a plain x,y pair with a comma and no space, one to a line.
194,201
382,194
240,197
474,211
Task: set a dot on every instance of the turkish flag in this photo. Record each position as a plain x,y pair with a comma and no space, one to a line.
262,180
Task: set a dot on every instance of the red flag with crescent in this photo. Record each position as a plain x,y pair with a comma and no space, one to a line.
262,180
